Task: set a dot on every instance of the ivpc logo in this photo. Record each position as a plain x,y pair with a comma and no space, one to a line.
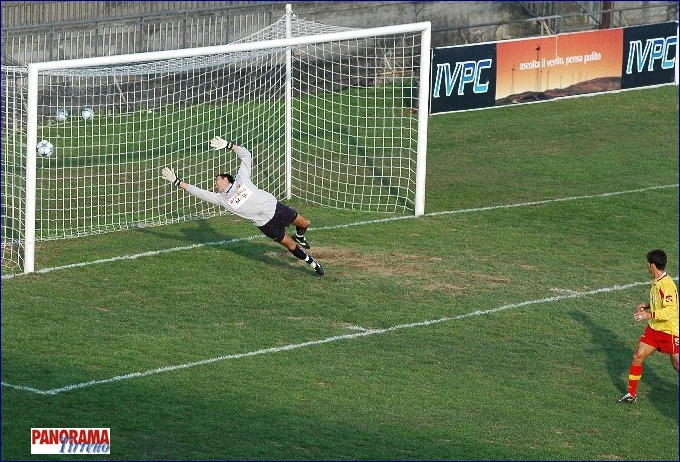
649,55
464,73
463,77
654,50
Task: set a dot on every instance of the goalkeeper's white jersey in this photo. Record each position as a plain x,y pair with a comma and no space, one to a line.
242,198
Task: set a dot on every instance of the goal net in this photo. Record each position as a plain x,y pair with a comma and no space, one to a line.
330,114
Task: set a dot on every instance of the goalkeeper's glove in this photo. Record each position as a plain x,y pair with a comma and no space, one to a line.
219,143
170,175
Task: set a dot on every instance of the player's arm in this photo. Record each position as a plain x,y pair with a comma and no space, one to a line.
214,198
642,313
220,143
168,173
243,154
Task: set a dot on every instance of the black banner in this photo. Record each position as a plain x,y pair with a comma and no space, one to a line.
463,77
649,54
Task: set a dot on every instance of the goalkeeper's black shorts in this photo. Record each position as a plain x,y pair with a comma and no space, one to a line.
276,227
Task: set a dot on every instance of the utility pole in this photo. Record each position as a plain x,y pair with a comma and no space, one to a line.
606,15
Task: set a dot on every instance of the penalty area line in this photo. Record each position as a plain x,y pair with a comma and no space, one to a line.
152,253
295,346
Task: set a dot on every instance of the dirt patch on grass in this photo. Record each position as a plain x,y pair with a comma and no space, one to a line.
390,264
430,273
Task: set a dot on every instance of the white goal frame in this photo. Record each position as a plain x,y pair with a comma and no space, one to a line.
34,69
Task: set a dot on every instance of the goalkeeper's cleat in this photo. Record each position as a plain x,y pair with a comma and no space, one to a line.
317,267
301,241
627,398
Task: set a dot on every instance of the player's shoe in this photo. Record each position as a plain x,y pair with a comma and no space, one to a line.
627,398
317,268
301,241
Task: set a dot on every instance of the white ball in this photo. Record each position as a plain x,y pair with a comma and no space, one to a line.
62,115
86,113
45,148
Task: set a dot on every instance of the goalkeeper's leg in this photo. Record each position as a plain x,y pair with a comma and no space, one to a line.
276,229
304,256
301,224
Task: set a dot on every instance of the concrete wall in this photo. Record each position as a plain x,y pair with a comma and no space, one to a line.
450,20
453,23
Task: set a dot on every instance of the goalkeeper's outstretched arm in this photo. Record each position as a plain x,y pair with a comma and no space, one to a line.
219,143
243,154
170,175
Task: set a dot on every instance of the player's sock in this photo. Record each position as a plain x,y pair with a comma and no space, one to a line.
299,253
634,378
300,231
300,239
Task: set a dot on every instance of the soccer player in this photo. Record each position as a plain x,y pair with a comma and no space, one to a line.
661,332
241,197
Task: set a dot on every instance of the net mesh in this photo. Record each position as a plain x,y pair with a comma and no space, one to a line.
353,132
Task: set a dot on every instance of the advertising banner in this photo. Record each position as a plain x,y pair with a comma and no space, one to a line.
463,77
542,68
649,55
562,65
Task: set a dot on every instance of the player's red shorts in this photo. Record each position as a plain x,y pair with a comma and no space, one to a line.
662,341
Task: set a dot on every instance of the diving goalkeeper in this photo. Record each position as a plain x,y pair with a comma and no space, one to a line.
241,197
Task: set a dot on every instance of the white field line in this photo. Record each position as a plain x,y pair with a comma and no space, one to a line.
295,346
348,225
562,291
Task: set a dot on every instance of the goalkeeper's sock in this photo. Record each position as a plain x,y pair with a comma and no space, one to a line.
299,253
634,378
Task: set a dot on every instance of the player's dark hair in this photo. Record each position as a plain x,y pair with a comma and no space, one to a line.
227,176
658,257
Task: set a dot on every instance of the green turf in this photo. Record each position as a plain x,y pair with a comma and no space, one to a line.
534,375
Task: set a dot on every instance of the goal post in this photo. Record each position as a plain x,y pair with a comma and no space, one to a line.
337,118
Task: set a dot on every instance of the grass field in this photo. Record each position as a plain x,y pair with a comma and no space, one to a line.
497,326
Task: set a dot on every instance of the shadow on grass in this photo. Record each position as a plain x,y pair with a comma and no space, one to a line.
261,249
618,355
242,415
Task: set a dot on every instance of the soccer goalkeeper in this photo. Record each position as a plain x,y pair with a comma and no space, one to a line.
241,197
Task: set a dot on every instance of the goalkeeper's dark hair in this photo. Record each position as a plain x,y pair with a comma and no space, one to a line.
658,257
227,176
